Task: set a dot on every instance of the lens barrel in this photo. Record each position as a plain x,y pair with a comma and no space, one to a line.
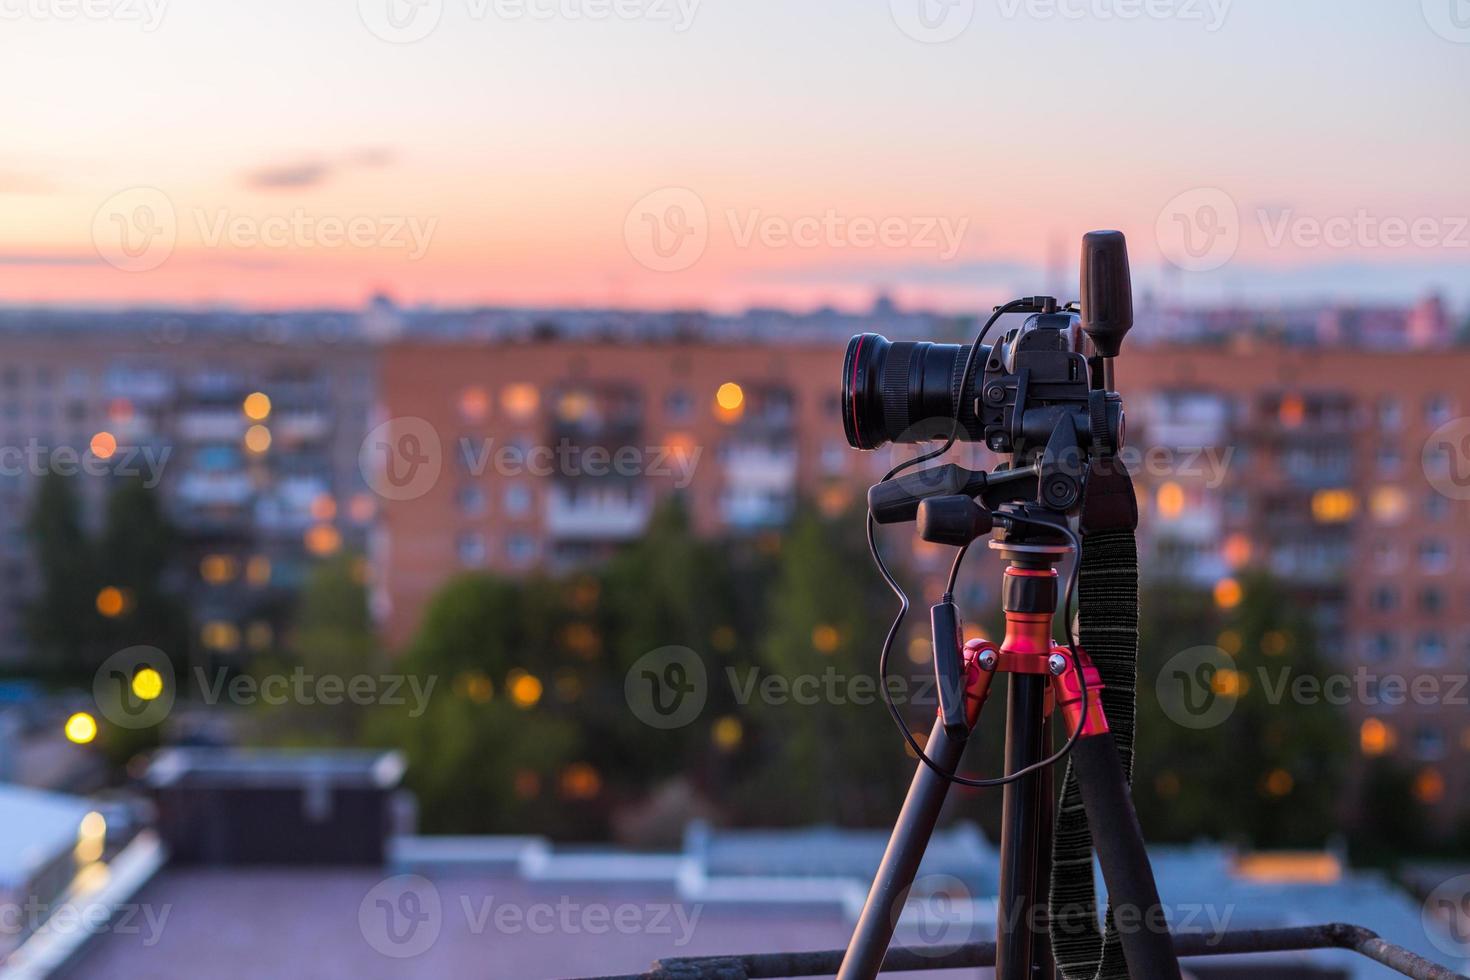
903,392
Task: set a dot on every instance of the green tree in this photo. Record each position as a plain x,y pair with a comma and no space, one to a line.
1255,730
833,755
62,621
330,635
138,555
487,750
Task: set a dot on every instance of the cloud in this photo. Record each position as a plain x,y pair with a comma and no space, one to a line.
301,174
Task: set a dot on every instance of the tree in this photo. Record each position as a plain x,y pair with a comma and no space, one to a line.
138,554
62,620
486,752
1236,738
832,754
330,635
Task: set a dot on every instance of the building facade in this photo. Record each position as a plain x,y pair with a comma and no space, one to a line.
1319,466
249,429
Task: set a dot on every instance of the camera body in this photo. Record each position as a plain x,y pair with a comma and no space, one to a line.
1039,378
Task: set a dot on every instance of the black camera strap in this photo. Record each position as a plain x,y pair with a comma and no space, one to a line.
1107,626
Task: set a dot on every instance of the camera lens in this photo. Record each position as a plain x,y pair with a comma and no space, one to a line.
903,392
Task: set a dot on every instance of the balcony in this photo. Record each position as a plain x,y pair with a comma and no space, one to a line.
614,513
211,425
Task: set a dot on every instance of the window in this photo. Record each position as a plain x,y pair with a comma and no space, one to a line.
1390,414
1431,599
1428,743
1436,506
517,500
1385,556
1434,556
1383,598
1389,460
1429,648
471,501
1437,410
834,457
521,548
1380,647
679,405
472,549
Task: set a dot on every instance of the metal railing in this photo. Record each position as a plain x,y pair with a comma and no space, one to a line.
902,959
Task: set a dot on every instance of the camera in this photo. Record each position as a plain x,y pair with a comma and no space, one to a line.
1042,394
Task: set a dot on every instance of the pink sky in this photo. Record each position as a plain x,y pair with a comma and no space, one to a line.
280,156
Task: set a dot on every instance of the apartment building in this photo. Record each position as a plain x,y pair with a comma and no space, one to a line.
249,427
1347,475
1310,463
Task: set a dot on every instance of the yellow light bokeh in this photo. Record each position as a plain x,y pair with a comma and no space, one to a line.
1333,506
93,826
1375,738
825,638
257,438
525,689
520,401
1171,499
729,402
220,635
1293,411
257,406
103,445
1389,504
147,684
474,404
323,507
1429,786
1279,782
730,396
728,733
80,728
322,540
258,570
579,781
1237,550
111,601
218,569
1228,593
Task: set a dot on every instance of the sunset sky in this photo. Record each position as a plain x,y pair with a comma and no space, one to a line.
727,153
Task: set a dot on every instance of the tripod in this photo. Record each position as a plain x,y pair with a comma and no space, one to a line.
1043,678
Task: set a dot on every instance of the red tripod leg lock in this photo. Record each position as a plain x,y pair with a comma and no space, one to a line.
1067,692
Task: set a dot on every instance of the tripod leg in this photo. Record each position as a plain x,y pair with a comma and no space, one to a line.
1018,908
1044,962
911,835
1118,840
